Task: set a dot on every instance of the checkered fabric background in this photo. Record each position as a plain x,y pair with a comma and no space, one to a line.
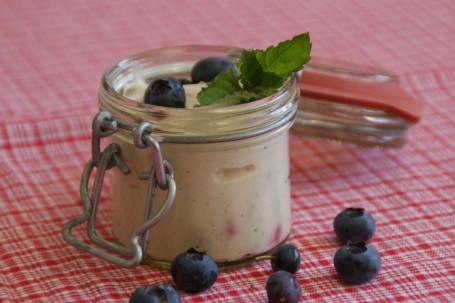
52,56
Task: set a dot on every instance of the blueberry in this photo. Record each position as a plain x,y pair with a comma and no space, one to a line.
357,263
207,69
355,225
283,286
166,92
194,271
155,293
286,257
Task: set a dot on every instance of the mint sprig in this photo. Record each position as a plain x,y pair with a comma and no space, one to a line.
261,73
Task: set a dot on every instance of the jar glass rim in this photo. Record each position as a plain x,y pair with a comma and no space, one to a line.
248,117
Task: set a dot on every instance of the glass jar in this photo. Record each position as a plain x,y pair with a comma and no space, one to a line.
230,164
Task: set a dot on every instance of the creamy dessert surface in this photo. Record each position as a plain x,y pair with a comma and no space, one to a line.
232,199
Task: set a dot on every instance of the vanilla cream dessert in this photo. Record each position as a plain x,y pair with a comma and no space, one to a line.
232,199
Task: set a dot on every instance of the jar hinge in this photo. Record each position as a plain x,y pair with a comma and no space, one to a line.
161,174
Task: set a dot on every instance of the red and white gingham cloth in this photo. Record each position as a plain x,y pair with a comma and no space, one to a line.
52,56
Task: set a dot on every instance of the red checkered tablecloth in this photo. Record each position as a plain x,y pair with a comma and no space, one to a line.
52,56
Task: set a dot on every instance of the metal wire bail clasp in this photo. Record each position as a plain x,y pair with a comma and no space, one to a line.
161,174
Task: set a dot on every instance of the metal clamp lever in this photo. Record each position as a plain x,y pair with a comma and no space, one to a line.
105,160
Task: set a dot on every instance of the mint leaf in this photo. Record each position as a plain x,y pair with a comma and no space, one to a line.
262,73
260,56
270,80
224,84
253,76
287,57
251,71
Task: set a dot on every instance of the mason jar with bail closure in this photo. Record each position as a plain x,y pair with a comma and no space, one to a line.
229,165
